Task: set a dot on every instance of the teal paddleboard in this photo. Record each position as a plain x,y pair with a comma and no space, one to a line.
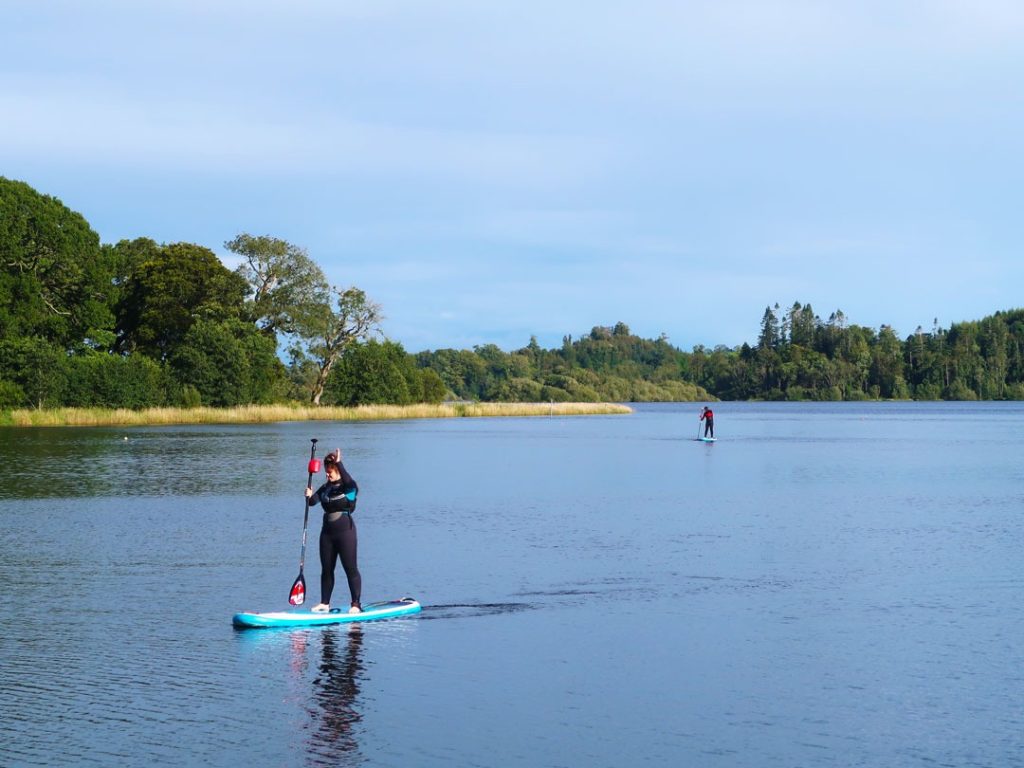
707,439
388,609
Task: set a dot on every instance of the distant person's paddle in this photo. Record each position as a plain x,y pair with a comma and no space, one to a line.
698,428
297,596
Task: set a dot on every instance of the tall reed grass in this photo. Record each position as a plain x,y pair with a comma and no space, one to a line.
255,414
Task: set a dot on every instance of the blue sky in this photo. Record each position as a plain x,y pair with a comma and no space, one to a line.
489,171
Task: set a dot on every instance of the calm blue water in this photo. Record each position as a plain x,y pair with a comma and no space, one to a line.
827,585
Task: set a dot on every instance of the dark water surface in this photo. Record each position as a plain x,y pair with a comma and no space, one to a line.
827,585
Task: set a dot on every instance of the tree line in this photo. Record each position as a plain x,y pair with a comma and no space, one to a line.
139,324
608,364
797,356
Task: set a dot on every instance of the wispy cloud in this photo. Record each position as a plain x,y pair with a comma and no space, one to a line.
108,127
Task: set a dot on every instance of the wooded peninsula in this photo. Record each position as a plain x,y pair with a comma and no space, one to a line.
142,325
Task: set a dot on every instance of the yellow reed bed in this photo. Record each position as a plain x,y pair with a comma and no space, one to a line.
255,414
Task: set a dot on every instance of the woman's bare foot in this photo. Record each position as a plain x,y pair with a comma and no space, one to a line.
321,608
355,609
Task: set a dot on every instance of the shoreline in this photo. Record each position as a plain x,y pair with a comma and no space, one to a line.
263,414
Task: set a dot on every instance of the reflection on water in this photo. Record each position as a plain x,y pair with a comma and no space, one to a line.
138,461
321,672
335,711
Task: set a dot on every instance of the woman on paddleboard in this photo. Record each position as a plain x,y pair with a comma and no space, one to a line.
338,535
708,417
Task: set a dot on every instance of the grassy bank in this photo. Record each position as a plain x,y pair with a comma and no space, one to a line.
255,414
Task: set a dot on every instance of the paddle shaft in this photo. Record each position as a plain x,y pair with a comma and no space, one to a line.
297,594
305,514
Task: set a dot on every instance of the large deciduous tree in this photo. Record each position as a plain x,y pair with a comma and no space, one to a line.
382,373
374,373
53,277
286,287
168,292
228,363
331,329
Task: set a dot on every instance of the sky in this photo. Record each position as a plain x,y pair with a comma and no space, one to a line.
488,172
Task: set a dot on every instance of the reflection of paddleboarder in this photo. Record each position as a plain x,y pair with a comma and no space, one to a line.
708,417
335,689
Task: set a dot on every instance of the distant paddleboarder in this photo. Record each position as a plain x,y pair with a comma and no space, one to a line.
338,536
708,417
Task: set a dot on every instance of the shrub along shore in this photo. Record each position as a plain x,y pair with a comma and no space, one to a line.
256,414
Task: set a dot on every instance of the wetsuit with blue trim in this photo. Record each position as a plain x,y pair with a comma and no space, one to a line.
338,535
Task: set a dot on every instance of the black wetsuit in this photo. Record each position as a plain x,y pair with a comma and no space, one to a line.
338,535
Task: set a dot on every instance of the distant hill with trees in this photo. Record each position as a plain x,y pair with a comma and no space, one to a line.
608,364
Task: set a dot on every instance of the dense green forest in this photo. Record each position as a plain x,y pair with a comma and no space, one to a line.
797,357
138,324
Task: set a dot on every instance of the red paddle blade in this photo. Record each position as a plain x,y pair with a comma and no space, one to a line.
298,593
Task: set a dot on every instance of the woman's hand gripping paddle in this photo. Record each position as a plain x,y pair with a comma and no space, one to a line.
297,596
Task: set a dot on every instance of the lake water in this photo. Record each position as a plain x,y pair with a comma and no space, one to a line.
827,585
